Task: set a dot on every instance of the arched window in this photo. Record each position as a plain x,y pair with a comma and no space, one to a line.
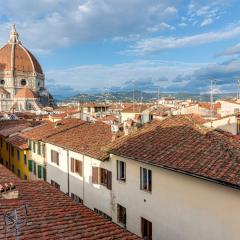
2,82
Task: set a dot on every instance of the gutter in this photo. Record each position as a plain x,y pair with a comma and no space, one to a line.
68,172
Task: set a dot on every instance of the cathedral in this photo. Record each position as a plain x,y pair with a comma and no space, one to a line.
22,82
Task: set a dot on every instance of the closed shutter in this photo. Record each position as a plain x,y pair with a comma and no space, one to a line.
30,165
80,168
72,164
39,172
95,175
34,168
57,155
109,180
44,174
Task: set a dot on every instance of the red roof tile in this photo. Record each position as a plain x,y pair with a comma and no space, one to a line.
180,144
52,214
25,92
87,138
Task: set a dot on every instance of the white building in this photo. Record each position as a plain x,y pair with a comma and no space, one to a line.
77,165
176,181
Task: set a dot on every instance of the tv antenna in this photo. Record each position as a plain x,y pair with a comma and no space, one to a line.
238,88
15,219
211,98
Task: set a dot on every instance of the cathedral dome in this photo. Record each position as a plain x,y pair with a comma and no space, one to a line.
13,56
25,93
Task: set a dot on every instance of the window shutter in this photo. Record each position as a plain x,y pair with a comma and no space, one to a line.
30,165
109,180
44,173
51,155
57,155
95,175
80,168
34,168
117,169
39,172
72,164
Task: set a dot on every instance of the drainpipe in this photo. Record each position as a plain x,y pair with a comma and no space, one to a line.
68,171
83,177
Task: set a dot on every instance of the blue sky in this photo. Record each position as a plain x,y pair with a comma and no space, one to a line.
173,45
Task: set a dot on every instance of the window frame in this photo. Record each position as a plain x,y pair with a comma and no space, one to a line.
122,216
53,155
146,174
119,170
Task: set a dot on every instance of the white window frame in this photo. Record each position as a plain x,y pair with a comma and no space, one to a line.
119,162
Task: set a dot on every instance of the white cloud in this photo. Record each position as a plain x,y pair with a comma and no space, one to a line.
206,22
157,44
100,76
235,50
160,27
55,23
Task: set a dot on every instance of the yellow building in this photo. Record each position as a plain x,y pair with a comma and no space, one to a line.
14,155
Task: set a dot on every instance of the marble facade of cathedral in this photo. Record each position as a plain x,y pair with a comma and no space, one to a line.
22,82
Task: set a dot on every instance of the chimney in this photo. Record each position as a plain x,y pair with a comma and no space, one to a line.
8,191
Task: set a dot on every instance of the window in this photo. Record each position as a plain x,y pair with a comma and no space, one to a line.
18,155
34,168
146,227
12,168
7,146
44,173
1,142
145,179
76,198
43,150
12,151
55,184
29,144
55,157
101,213
25,177
2,82
23,82
30,163
39,171
122,217
95,175
19,173
121,170
39,148
103,176
34,147
76,166
25,159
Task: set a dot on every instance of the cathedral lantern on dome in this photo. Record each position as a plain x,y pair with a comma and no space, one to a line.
21,78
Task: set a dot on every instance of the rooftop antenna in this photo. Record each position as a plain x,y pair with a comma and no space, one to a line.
16,219
211,99
158,98
238,89
133,98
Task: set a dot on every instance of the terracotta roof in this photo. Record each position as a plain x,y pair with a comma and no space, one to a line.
207,105
47,129
25,92
87,138
8,129
18,141
23,59
181,145
53,215
136,108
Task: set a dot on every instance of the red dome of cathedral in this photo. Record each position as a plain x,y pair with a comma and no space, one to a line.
13,56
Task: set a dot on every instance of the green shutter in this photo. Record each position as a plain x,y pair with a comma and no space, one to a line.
34,168
30,165
39,172
44,173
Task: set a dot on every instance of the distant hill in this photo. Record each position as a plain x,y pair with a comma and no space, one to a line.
139,96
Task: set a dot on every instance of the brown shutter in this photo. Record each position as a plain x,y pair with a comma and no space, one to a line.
72,164
51,155
57,158
80,168
109,180
95,175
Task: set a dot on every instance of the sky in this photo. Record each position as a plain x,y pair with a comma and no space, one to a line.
103,45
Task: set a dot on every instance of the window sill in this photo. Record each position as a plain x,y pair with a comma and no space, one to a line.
121,181
146,191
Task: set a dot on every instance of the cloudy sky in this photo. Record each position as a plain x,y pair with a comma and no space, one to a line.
173,45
